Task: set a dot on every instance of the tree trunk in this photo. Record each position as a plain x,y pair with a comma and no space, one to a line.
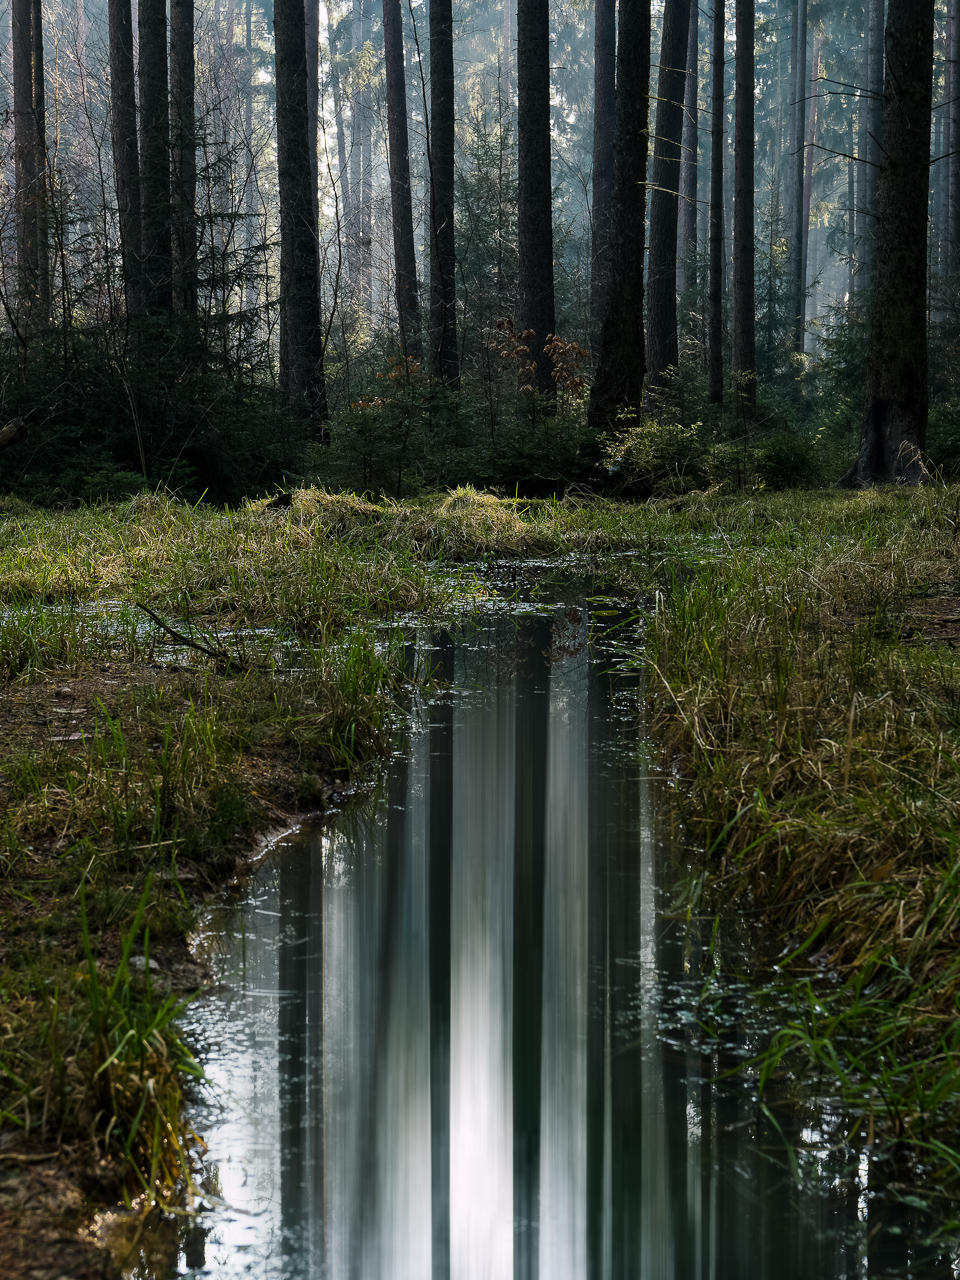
30,162
851,211
814,97
618,382
662,344
794,269
953,180
301,339
715,300
534,189
155,208
744,304
126,152
895,417
874,137
444,357
604,133
405,261
311,32
687,250
184,159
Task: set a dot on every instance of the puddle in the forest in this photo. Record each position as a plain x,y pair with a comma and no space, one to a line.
457,1036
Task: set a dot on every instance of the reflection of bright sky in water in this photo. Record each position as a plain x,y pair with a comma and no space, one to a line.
580,1144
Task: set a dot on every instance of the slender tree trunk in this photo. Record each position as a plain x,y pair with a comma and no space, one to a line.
444,356
863,144
687,252
184,158
715,300
744,303
943,148
126,152
30,163
604,133
366,179
795,222
311,31
618,382
343,172
405,261
534,189
662,343
506,49
301,339
874,138
814,97
895,417
953,164
155,208
851,212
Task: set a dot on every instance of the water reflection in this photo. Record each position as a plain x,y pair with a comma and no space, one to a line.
438,1046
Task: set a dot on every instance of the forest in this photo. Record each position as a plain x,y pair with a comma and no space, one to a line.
636,252
479,640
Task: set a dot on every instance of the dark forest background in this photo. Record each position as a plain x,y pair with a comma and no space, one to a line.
400,246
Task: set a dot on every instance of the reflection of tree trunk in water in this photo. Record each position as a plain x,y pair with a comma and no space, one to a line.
392,888
292,1032
626,1078
598,967
441,836
533,714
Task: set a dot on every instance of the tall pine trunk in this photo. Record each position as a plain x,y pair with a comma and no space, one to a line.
873,138
444,356
618,381
30,164
534,189
405,262
812,101
744,305
895,416
155,208
715,298
798,82
184,156
687,245
953,171
604,133
311,33
301,334
662,343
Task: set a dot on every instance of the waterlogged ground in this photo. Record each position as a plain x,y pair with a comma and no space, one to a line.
462,1034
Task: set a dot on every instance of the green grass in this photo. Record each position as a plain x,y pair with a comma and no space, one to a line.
804,682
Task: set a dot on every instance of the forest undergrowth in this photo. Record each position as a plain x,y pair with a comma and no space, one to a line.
804,682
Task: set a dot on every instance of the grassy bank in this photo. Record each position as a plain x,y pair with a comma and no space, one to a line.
173,683
805,685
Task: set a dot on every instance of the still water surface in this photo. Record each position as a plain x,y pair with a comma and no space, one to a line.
455,1036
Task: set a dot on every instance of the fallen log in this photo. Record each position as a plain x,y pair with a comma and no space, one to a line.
12,432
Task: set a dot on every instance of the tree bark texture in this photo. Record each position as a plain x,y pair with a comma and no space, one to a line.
444,356
311,32
744,304
155,209
604,134
715,298
895,417
404,253
687,246
618,381
534,189
30,165
662,342
301,339
183,130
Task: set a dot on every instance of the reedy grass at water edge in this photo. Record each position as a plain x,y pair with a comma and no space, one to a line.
805,685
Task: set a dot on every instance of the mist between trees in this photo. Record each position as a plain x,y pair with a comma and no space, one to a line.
400,245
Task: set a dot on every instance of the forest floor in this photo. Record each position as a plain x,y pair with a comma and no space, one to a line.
175,683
